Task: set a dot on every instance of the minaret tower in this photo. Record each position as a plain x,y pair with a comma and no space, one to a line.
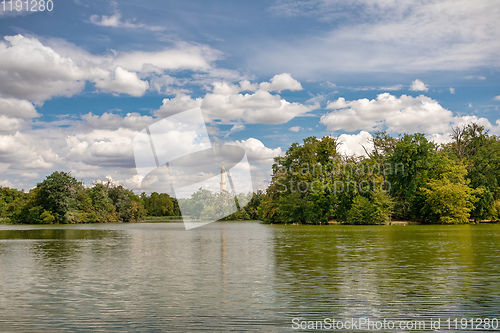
222,178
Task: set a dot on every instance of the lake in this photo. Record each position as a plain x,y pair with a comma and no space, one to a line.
245,276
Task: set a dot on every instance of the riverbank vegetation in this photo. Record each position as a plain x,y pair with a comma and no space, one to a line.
406,177
60,198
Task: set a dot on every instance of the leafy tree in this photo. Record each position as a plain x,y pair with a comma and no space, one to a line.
292,208
57,194
158,204
298,177
47,218
102,205
376,210
11,202
129,207
417,157
481,153
447,198
253,205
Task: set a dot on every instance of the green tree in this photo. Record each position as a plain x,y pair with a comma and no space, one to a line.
413,158
129,207
481,152
253,205
298,177
374,210
58,194
447,198
102,205
11,203
158,204
292,208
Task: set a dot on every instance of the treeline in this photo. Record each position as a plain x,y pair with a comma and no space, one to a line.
225,206
60,198
402,178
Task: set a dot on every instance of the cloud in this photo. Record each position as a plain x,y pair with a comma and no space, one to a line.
395,87
110,121
116,21
12,125
393,36
259,107
16,115
179,103
418,85
123,82
92,148
405,114
281,82
352,144
17,108
12,13
257,151
497,98
397,115
21,151
182,56
452,90
102,148
234,129
475,77
229,103
295,129
31,70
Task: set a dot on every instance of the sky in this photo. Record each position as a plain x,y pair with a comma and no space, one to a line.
79,82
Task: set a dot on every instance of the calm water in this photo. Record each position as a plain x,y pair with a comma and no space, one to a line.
242,276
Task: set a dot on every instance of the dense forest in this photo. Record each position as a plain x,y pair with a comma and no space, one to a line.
402,178
60,198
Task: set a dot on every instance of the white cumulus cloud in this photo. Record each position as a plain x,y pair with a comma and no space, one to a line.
123,82
418,85
244,102
352,144
17,108
33,71
281,82
397,115
257,151
36,71
405,114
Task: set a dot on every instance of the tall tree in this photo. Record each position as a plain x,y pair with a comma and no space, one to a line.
57,194
446,196
413,158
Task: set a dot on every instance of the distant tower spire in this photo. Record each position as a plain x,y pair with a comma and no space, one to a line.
222,178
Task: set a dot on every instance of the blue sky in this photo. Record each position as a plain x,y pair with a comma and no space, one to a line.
78,83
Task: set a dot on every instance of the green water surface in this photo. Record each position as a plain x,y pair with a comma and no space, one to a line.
242,276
